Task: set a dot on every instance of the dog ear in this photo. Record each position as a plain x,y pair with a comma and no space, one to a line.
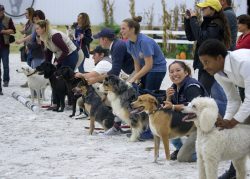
207,119
153,100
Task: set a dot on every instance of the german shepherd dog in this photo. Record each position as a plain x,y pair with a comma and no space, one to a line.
59,88
67,74
96,108
120,95
164,124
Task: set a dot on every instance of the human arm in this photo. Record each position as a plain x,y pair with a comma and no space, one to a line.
140,72
87,37
58,41
190,93
10,30
213,30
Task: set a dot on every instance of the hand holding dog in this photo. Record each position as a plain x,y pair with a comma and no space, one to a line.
78,75
167,105
226,124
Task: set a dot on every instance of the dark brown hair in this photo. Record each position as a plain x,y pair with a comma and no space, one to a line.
244,19
134,23
30,11
183,65
227,33
86,21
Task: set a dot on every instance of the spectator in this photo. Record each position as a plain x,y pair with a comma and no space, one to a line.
214,26
183,90
231,19
244,28
103,64
149,61
6,28
26,31
57,43
230,69
83,36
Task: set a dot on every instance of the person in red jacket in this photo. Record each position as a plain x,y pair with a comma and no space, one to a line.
244,27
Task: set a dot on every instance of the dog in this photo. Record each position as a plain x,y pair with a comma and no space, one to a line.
68,75
37,83
120,94
59,88
96,108
214,145
164,124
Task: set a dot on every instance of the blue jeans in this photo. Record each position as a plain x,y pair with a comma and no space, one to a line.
4,56
36,62
219,96
152,80
71,60
177,143
81,66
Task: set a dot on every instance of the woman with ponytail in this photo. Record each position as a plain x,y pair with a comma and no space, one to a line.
57,43
149,61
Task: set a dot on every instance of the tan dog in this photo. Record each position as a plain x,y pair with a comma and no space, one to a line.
164,124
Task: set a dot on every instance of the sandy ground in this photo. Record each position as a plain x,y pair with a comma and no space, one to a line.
52,145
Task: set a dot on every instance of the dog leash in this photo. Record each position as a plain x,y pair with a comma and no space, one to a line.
32,73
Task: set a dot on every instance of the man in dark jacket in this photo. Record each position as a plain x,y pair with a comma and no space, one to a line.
6,28
121,59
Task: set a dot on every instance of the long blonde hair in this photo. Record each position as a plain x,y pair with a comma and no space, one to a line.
45,25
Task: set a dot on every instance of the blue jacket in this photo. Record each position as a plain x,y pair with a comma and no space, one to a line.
121,59
181,96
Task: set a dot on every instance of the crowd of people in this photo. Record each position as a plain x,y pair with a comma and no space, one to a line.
219,56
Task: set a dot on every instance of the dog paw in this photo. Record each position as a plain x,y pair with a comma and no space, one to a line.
71,115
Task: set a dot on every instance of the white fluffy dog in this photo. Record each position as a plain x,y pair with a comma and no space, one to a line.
214,145
37,83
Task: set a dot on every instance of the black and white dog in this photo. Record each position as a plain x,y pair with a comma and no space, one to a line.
120,94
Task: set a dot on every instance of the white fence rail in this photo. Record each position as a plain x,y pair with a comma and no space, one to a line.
171,41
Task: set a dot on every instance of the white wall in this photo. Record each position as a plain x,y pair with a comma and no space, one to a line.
66,11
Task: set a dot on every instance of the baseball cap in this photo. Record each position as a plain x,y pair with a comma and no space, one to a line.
99,49
105,32
1,7
215,4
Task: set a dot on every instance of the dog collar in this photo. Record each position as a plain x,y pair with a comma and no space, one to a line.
31,74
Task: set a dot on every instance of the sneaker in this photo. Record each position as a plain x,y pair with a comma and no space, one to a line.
25,85
1,93
80,116
112,131
173,155
5,84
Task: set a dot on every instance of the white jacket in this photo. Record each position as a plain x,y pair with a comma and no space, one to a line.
237,70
